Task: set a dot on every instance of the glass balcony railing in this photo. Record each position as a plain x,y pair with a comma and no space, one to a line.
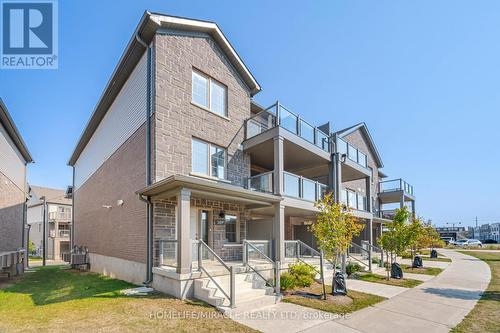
395,185
303,188
262,182
351,152
353,199
278,115
64,233
60,215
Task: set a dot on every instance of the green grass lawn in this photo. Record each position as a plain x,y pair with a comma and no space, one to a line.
424,259
359,300
485,317
54,298
370,277
423,270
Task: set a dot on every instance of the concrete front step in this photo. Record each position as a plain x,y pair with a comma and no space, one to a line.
249,288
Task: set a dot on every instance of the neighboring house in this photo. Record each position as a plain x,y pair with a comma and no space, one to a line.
54,207
14,157
178,165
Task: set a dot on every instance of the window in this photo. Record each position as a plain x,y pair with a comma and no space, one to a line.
208,159
230,225
208,93
200,90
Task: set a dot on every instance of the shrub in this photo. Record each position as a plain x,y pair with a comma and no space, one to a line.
352,268
298,275
303,274
287,281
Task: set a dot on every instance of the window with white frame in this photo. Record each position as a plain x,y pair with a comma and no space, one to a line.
231,224
209,94
208,159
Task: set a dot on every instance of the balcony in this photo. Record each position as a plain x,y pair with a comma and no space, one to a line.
262,182
395,191
299,187
293,186
353,199
59,215
352,152
396,185
64,233
279,116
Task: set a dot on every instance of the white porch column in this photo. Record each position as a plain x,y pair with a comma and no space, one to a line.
279,232
278,166
184,257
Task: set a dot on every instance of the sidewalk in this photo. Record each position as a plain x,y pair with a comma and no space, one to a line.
434,306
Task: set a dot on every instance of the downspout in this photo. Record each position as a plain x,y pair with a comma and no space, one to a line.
72,236
149,112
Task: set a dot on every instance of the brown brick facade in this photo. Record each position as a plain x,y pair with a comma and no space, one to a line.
177,120
118,231
358,140
11,214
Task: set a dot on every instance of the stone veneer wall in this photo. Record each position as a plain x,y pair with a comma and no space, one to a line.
165,225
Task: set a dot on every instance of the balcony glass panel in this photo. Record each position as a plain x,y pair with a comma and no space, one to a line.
343,196
352,153
262,182
341,146
291,185
351,199
390,185
361,202
306,131
322,140
361,158
288,120
261,123
309,190
323,189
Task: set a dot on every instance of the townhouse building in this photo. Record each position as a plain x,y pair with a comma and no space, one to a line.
181,178
14,157
485,232
49,208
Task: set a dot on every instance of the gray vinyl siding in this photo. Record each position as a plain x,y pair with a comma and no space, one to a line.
124,118
11,162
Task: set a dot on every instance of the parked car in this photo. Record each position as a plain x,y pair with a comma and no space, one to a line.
490,241
468,243
447,240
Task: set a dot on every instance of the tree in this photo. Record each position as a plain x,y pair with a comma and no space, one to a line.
428,238
334,229
397,238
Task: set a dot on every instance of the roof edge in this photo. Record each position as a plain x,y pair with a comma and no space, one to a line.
13,132
146,29
349,130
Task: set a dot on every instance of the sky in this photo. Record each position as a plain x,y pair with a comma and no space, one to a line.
423,75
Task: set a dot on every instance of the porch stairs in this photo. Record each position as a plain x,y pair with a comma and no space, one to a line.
251,291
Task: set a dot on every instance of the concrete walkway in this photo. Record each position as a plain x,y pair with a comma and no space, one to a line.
434,306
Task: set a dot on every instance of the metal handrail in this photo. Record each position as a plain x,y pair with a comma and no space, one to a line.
245,260
232,291
308,247
378,250
362,249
